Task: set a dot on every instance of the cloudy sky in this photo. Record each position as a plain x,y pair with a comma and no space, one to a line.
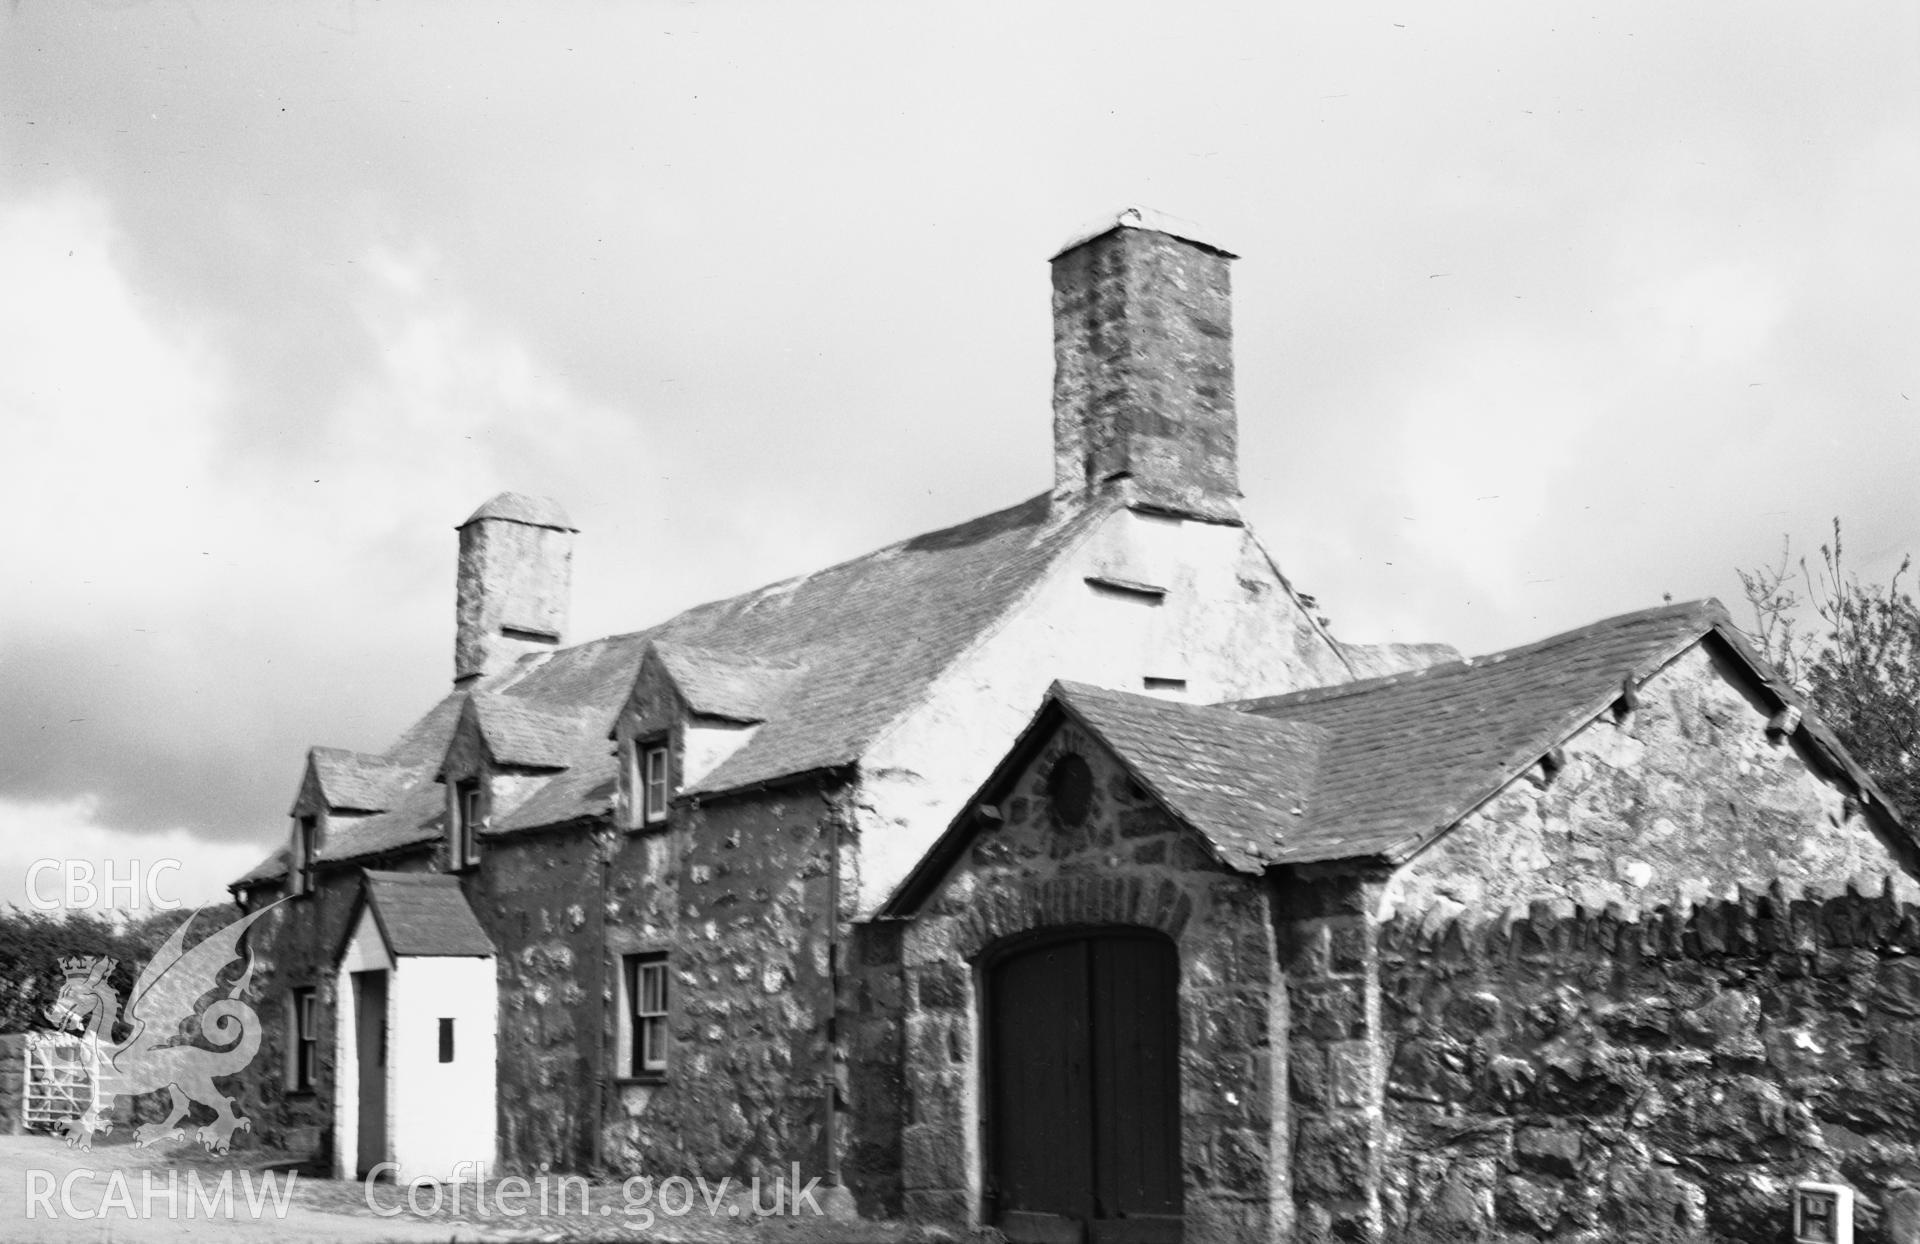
1544,312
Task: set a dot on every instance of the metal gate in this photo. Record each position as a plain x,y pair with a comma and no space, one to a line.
60,1083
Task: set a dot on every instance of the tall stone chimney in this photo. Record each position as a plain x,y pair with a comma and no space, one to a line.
515,577
1143,367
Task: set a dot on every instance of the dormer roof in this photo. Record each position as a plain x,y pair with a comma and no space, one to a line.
728,685
520,733
358,782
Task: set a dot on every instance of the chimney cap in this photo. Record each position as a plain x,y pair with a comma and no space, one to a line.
516,507
1149,219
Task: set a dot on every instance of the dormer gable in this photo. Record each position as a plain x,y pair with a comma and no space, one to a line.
337,788
689,710
502,748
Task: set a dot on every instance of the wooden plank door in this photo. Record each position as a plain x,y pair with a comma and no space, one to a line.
370,1038
1043,1093
1135,1026
1083,1091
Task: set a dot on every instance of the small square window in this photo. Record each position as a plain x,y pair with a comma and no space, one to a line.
646,982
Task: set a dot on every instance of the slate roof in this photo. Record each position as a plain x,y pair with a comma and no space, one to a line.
1413,753
1234,774
726,684
423,914
856,646
358,782
521,733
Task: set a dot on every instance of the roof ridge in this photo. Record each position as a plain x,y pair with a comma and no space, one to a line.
654,633
1708,608
870,554
1214,712
389,877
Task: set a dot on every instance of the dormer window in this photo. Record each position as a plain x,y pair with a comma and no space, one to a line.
468,815
306,843
649,782
653,768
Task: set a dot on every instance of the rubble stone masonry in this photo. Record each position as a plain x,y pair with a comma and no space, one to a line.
1683,1068
1129,863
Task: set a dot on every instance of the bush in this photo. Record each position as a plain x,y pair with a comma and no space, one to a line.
32,943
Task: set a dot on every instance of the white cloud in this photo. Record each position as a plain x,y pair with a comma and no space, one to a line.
62,849
105,407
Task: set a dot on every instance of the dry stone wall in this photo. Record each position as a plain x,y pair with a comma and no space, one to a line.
1569,1072
13,1072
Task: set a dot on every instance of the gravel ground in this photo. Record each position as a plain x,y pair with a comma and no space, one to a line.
47,1194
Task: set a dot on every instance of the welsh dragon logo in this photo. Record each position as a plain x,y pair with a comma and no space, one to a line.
165,997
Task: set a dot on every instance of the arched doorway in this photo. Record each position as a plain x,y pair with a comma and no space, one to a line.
1083,1089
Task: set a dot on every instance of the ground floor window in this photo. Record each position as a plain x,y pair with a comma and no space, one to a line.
646,1015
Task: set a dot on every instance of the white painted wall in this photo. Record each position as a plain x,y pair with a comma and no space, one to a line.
439,1115
443,1113
1228,625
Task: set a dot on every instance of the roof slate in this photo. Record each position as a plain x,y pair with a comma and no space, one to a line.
1412,753
1242,781
726,684
521,733
358,782
424,914
855,646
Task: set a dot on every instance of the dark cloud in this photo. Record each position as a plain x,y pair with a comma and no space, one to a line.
1541,315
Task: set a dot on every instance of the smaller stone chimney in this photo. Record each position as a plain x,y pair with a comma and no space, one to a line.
515,579
1143,367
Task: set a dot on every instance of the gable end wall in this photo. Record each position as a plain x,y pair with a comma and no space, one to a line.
1227,625
1686,798
1129,864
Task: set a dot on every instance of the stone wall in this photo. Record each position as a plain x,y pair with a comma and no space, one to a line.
538,898
13,1071
1683,796
1129,863
1327,938
1680,1067
293,948
742,901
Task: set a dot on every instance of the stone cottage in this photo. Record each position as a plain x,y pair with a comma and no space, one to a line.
728,894
665,844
